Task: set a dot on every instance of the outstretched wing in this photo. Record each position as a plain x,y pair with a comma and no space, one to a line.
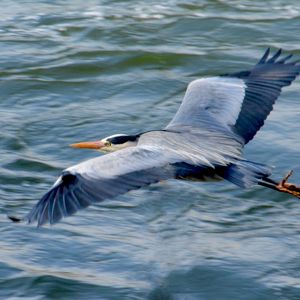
101,178
240,101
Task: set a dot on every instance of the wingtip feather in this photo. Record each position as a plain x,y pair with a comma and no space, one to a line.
265,56
275,56
285,59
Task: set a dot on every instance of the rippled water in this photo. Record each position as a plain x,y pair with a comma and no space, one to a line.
79,70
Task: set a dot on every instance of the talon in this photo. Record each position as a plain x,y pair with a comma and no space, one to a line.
285,187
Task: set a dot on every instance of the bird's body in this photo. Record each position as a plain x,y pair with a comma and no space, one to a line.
204,140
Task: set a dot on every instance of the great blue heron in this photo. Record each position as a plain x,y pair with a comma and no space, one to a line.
216,118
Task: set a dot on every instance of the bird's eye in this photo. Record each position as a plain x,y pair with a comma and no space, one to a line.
107,144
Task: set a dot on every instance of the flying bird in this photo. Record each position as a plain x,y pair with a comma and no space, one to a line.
216,119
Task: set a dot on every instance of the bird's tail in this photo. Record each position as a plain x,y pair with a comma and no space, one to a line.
246,173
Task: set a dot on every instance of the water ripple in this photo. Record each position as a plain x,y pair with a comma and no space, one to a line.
79,70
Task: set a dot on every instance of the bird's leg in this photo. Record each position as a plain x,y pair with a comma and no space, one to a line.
283,186
289,188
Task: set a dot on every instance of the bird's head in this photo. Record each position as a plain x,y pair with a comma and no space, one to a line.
110,144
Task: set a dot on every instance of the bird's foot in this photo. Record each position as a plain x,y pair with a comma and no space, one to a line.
285,187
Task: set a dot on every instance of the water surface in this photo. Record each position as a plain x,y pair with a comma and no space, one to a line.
81,70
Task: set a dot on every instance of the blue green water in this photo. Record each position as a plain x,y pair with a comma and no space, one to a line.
82,70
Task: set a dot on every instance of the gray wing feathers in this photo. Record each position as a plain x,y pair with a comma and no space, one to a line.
194,145
215,99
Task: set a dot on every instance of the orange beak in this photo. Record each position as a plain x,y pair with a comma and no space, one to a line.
96,145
